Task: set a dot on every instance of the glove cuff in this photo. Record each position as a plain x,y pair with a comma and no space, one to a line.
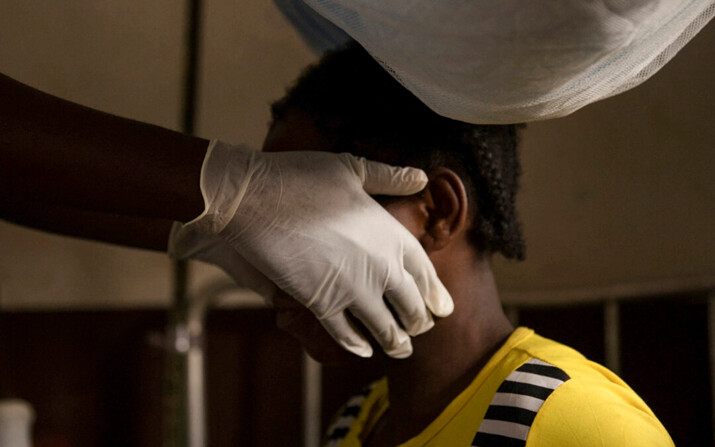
223,183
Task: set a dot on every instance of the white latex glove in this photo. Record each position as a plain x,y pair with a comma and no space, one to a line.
306,221
186,242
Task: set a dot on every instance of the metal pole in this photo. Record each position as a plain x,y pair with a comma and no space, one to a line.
182,424
612,335
195,372
191,67
711,345
175,382
312,395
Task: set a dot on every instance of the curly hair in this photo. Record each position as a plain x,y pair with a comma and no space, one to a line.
353,100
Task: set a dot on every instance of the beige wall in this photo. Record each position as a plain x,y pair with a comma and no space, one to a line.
620,196
619,193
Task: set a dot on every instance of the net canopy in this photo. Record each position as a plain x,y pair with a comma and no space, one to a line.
507,61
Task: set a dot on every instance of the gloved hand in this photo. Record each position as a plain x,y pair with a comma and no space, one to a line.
186,242
305,221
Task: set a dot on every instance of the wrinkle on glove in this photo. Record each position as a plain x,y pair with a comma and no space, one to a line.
305,221
511,61
186,242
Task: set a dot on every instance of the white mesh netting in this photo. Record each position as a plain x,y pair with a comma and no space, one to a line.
506,61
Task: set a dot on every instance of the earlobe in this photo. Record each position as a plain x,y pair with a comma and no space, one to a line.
446,202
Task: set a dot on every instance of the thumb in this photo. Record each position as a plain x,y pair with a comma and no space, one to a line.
383,179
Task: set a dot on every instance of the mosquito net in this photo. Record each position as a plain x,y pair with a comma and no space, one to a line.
505,61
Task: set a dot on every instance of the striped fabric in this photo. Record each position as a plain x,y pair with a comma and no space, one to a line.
342,423
516,403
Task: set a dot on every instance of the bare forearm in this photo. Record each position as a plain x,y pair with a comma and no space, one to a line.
137,232
56,151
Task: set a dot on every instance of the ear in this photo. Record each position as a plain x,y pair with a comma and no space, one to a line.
446,202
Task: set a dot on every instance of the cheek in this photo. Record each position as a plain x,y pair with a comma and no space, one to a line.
404,213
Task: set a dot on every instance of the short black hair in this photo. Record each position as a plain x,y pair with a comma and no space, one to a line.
353,100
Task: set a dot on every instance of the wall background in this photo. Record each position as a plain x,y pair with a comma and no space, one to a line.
617,197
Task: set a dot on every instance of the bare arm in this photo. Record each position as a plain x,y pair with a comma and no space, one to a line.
128,231
55,151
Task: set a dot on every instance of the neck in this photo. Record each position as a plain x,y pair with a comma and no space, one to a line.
447,358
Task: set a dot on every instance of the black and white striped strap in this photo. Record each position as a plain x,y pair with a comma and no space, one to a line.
346,416
516,403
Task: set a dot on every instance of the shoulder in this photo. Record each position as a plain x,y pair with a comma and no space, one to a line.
595,413
558,397
592,406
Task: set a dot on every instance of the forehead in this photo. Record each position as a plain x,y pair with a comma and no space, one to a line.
296,131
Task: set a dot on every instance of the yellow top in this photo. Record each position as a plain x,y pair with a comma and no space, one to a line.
538,392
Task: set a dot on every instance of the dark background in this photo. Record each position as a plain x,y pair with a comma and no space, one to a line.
95,380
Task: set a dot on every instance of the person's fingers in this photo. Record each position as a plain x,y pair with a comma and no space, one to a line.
435,295
383,179
378,319
343,332
406,299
